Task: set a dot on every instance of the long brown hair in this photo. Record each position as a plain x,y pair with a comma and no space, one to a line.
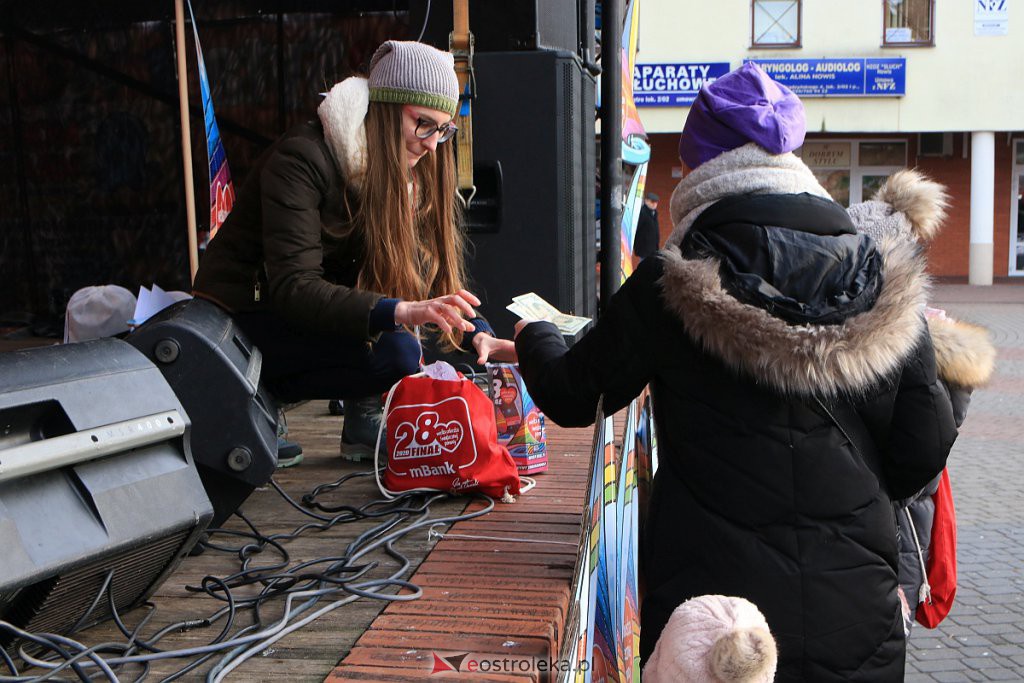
415,247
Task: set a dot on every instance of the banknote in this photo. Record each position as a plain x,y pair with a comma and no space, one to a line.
532,307
537,307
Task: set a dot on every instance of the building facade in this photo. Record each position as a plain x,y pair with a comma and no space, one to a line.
932,84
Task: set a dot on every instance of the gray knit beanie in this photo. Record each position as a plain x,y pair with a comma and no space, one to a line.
408,72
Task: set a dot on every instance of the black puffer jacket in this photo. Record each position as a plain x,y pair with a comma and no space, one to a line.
769,323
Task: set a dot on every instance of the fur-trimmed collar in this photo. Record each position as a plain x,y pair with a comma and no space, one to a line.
802,359
807,359
342,113
964,353
745,170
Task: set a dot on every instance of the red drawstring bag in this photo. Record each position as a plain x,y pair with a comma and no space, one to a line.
941,566
441,436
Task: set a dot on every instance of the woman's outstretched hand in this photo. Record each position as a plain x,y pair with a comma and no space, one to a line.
447,312
492,348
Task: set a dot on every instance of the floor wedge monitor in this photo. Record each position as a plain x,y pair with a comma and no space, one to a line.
215,371
99,496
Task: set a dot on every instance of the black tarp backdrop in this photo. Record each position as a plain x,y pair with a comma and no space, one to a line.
91,188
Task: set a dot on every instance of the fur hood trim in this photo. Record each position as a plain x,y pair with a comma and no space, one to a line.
342,113
745,170
802,359
922,201
963,352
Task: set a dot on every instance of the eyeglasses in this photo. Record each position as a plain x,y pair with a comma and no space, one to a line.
426,128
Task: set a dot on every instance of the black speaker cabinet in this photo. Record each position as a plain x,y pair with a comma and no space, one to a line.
506,24
97,485
215,371
531,221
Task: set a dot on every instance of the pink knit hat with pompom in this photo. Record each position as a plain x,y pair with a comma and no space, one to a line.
713,639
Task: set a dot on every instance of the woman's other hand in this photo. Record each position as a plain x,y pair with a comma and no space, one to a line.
447,312
492,348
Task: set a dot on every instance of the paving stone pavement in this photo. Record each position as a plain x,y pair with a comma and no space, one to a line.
983,637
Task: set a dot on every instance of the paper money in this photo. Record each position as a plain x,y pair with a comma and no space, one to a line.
536,306
532,307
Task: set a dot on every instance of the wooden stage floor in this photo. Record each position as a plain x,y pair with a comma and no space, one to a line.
494,596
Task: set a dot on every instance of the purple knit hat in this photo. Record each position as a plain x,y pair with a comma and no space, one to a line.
743,106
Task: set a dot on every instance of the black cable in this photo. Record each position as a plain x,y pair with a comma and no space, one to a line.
95,601
9,662
45,643
203,659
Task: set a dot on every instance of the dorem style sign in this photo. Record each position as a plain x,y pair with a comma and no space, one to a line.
871,77
673,85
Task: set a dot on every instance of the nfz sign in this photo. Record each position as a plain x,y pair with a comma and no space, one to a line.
857,77
990,17
673,85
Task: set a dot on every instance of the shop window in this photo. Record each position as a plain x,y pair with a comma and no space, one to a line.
853,170
908,22
935,145
775,23
883,153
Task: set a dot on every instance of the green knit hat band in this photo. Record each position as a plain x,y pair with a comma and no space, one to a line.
420,99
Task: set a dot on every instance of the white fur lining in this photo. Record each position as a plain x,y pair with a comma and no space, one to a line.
342,113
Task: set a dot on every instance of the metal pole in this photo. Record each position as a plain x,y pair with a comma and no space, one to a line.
186,139
611,146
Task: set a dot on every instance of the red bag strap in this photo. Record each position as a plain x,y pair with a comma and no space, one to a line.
941,575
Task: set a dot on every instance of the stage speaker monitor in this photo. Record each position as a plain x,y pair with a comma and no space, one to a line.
215,371
98,492
506,25
531,221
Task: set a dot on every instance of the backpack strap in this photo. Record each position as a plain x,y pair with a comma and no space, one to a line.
856,432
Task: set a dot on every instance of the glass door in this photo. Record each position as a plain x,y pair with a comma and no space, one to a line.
1017,211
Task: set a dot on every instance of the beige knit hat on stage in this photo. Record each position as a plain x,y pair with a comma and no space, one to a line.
408,72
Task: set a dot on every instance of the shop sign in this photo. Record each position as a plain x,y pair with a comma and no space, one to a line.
826,154
871,77
991,17
675,84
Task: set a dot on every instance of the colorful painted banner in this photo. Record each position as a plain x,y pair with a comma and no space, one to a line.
630,216
602,634
627,638
222,191
635,150
579,623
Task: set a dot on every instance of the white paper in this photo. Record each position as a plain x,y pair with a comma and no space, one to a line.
152,301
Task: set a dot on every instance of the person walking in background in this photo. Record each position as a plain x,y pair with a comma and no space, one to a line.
794,391
648,236
346,236
910,207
